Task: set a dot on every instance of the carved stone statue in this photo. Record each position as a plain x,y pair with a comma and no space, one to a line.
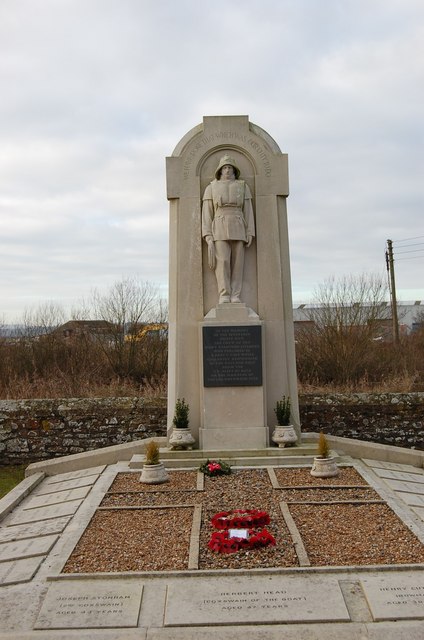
228,227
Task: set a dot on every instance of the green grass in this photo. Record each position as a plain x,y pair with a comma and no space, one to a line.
9,478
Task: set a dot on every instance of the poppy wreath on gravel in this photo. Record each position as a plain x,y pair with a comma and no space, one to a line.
215,468
247,519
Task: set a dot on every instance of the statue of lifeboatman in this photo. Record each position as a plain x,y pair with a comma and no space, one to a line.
228,227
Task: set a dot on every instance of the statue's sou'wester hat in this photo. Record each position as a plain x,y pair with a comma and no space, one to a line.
227,160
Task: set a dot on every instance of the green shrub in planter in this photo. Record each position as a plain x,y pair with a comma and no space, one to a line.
182,409
282,411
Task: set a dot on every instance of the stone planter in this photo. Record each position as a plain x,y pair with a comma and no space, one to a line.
324,467
284,435
154,474
181,439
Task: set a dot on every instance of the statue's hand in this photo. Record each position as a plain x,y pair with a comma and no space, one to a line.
211,255
249,241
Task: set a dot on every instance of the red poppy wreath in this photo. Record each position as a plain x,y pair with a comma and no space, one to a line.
250,520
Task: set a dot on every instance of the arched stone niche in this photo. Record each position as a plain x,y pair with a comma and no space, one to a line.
266,282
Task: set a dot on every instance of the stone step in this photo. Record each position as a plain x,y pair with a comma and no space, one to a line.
274,457
272,452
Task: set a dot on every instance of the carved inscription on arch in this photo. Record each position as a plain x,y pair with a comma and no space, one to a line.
227,136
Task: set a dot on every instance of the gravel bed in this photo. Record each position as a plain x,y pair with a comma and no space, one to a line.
355,535
301,477
158,539
133,541
318,495
151,498
249,489
178,480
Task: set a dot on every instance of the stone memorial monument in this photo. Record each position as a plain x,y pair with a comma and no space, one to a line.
231,338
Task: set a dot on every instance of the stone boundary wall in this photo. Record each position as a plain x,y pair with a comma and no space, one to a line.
386,418
35,430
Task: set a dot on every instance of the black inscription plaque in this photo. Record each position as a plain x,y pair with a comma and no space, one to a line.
232,356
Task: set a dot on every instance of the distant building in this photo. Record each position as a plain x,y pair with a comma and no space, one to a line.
87,328
410,318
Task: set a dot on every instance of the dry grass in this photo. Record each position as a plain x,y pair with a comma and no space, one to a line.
405,383
60,387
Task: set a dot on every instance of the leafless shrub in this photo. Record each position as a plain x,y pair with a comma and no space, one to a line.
347,339
88,357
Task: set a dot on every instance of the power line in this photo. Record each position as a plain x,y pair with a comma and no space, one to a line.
412,244
407,239
399,253
410,258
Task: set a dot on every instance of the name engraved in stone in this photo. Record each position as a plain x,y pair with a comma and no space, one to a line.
395,597
404,595
254,601
91,604
232,356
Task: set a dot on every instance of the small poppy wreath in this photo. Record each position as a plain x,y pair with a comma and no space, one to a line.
213,468
240,519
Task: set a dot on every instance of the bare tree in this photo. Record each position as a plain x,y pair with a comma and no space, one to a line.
37,351
42,320
348,317
128,304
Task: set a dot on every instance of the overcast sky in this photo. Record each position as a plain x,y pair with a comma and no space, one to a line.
96,93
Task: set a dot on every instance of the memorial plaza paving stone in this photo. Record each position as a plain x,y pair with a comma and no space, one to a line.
38,601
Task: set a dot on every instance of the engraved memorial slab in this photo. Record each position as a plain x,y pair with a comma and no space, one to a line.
71,475
232,356
19,570
400,475
408,487
397,597
65,485
46,513
32,530
26,548
91,604
46,500
242,600
413,499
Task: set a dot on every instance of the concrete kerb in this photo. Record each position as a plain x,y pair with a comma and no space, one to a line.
94,458
371,450
18,493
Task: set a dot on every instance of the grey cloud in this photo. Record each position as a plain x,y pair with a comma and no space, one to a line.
95,95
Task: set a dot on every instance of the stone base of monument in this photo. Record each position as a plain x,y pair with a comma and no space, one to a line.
234,418
233,395
233,438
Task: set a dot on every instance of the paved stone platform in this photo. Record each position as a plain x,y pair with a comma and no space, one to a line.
43,518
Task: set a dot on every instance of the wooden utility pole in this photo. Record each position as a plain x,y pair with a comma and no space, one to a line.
390,263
